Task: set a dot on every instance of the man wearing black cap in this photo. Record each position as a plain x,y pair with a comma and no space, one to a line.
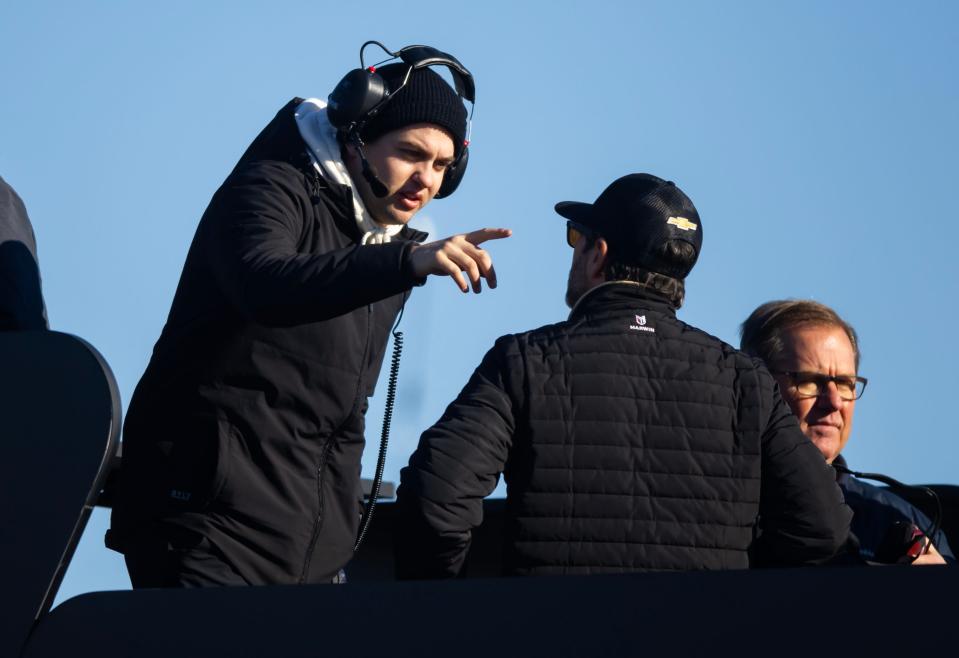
243,439
629,440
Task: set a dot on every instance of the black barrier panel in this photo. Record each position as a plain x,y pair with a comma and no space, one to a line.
59,425
882,611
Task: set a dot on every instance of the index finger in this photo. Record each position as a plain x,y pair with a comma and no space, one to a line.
482,235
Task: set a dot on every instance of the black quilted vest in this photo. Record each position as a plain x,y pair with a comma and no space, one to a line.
646,439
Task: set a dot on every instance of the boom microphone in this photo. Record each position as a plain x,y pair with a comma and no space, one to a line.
376,185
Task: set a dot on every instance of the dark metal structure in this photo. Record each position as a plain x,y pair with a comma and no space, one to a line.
59,423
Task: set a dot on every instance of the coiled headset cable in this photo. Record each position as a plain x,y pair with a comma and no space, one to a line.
385,432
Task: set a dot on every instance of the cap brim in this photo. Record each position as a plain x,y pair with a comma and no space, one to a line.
575,210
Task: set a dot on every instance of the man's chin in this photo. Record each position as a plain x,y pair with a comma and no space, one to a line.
395,217
392,219
828,445
573,293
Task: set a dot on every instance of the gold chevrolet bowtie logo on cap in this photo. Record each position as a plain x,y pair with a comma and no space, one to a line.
681,223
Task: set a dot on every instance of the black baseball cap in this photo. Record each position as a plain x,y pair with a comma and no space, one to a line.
636,215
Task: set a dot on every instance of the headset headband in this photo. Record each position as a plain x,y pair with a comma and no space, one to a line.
422,56
418,57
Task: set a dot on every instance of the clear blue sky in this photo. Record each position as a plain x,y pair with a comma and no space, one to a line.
817,139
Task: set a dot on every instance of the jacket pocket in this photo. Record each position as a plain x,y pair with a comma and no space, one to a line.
198,461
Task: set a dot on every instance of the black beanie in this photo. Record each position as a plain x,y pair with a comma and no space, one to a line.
426,98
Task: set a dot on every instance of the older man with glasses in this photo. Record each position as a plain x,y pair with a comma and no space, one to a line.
814,356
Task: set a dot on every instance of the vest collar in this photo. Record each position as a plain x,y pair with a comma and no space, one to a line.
614,295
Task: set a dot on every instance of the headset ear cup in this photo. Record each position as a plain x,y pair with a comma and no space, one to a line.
454,174
354,96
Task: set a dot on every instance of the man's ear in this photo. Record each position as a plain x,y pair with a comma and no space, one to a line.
596,261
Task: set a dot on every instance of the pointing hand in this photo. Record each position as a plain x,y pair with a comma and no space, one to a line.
458,254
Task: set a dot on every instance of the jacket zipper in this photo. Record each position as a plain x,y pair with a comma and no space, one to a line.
318,523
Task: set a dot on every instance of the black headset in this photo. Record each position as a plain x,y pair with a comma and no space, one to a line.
363,92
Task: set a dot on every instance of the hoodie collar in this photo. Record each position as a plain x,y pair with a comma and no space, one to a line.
324,149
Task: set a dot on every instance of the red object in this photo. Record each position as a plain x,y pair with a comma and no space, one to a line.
371,69
918,544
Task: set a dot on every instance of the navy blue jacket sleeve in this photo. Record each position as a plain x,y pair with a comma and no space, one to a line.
876,509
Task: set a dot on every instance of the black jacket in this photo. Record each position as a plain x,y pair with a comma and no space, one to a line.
629,441
247,426
21,299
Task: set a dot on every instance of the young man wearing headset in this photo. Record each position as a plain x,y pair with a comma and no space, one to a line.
243,439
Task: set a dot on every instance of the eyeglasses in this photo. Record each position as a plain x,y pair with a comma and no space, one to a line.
814,384
576,231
